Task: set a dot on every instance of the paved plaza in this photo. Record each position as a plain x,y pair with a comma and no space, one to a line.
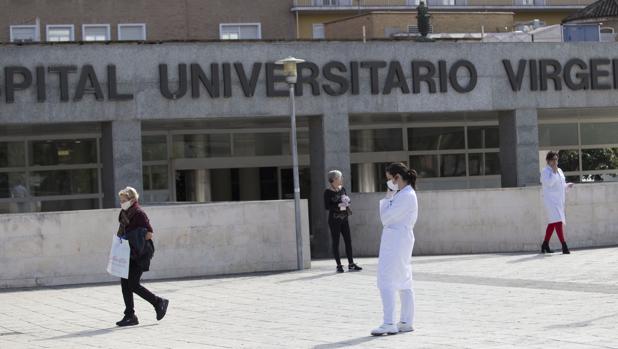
471,301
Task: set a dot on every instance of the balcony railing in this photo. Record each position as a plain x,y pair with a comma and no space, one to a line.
403,4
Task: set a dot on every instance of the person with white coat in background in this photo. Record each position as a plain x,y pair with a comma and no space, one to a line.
554,197
398,213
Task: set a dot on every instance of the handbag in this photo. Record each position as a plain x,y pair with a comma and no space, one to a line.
119,256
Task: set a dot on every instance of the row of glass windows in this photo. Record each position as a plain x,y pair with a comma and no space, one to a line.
424,138
578,134
48,152
34,172
588,152
450,151
90,32
222,145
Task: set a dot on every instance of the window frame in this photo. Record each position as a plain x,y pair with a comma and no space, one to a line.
51,26
34,27
106,26
313,29
247,24
122,25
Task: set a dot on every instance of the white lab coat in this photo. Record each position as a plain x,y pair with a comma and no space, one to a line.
554,194
398,216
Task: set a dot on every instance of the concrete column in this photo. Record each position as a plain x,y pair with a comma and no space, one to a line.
519,148
330,150
202,186
121,152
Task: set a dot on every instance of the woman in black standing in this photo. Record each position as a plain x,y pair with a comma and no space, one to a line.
337,202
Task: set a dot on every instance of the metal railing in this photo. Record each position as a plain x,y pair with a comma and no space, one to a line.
386,4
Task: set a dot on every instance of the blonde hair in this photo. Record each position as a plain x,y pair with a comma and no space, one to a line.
130,193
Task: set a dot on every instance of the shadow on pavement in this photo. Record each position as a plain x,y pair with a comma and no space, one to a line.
312,277
346,343
92,333
529,258
581,323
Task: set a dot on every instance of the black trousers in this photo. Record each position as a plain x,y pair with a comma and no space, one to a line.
132,285
340,227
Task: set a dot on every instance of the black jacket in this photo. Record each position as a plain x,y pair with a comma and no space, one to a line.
142,250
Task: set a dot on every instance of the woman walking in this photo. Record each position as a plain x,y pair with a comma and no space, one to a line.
554,195
135,227
337,202
398,212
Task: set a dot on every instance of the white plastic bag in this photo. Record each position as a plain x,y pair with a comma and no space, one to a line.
118,264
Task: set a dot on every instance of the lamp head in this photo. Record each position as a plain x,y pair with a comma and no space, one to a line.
289,68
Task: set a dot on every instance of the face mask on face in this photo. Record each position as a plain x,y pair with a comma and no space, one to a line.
392,186
125,205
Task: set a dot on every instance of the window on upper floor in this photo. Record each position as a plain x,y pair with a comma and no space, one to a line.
318,31
240,31
58,33
96,32
23,33
132,32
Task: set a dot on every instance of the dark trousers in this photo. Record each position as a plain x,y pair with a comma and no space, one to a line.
340,227
132,285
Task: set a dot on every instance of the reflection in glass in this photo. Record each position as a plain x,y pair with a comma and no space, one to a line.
557,135
201,145
475,164
64,182
426,166
63,152
568,160
67,205
155,177
13,185
369,177
436,138
590,178
452,165
154,148
258,144
600,159
492,164
573,179
376,140
599,133
12,154
483,137
302,143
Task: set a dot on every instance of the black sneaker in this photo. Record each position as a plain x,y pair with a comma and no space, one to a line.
339,269
161,308
354,267
128,321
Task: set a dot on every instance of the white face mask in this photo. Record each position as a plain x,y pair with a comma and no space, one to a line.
125,205
392,186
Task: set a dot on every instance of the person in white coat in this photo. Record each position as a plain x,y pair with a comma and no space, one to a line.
554,195
398,212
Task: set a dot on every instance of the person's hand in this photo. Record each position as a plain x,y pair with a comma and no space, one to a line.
149,235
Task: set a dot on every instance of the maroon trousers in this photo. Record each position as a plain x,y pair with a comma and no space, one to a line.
550,230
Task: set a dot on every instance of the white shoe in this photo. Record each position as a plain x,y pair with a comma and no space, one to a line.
405,327
385,329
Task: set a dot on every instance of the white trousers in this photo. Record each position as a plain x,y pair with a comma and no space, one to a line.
407,305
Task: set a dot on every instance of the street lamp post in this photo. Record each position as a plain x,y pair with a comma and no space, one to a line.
290,72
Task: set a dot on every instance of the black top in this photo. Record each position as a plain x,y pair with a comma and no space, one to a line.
332,199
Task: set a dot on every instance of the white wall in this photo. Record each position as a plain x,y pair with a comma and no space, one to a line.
191,240
492,220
